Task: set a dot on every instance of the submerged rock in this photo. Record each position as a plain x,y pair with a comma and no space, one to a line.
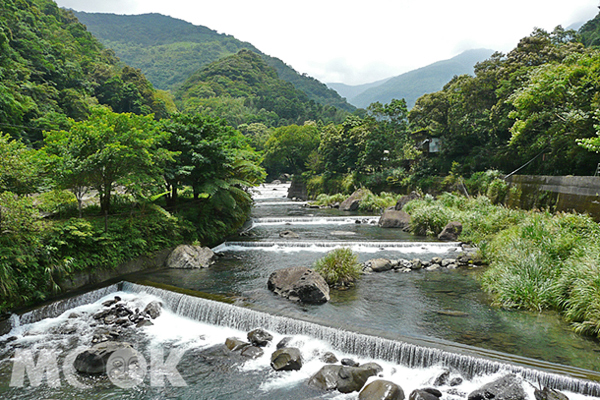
235,344
422,394
252,352
381,390
289,235
190,257
299,284
328,358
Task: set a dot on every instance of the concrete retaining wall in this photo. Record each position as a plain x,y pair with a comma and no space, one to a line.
558,193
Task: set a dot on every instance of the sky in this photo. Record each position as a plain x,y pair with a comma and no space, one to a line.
356,42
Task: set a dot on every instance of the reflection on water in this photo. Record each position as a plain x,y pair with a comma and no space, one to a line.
447,305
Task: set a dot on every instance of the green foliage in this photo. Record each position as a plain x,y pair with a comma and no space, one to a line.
497,191
329,200
19,169
106,150
339,267
243,89
373,203
169,50
52,68
288,148
537,260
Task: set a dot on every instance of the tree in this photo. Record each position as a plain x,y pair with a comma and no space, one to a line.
210,156
288,148
556,109
109,150
19,169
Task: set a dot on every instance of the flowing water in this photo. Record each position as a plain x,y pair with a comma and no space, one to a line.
414,324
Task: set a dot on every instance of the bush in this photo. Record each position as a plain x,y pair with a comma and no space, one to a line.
339,267
497,191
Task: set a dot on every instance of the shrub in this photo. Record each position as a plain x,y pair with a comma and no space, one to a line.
497,191
338,267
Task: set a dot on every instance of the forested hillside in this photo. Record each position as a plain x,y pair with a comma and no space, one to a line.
169,50
243,89
96,167
412,85
51,68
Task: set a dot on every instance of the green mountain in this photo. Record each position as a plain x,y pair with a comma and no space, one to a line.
412,85
169,50
351,91
244,89
590,32
51,68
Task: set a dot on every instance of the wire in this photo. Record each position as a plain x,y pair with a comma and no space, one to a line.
524,165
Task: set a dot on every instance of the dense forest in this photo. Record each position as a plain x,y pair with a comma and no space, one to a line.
535,107
169,50
97,167
243,89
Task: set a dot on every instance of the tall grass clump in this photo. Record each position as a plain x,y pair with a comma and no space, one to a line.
373,203
339,267
428,218
329,200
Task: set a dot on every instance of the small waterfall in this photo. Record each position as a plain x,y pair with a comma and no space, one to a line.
58,307
403,353
317,220
280,203
434,247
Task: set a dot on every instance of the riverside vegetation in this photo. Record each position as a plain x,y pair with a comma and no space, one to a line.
78,124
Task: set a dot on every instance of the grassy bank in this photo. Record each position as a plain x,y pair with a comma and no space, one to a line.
537,260
39,251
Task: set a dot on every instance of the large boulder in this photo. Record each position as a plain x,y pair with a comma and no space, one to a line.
509,387
93,360
379,264
299,284
352,202
288,235
286,359
342,378
394,219
381,390
190,257
405,199
451,231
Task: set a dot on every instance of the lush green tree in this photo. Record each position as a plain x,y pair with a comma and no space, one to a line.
288,148
106,151
19,167
557,107
210,157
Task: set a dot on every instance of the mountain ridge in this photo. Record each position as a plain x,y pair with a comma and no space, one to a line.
153,41
413,84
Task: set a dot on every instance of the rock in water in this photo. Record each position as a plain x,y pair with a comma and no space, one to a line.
381,390
342,378
549,394
259,337
288,235
451,231
392,218
190,257
508,387
422,395
299,284
153,309
93,360
286,359
379,264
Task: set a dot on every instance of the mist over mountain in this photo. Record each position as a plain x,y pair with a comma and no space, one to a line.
413,84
